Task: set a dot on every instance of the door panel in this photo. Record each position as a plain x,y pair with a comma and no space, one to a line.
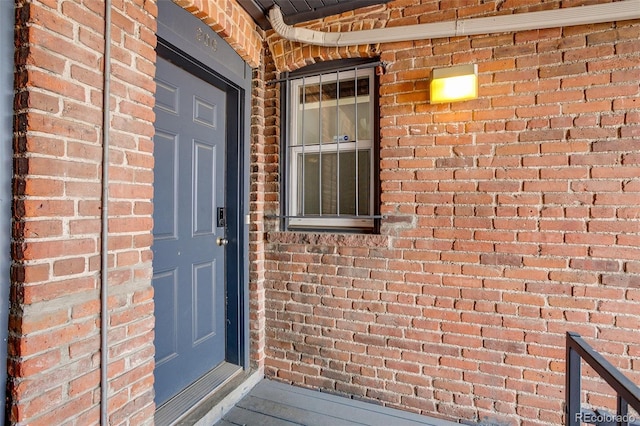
166,294
165,220
205,294
204,199
189,275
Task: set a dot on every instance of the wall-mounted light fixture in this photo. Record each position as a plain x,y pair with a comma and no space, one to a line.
457,83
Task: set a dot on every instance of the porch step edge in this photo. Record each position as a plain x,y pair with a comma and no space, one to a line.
215,413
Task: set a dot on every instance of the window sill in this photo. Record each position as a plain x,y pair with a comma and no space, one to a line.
328,239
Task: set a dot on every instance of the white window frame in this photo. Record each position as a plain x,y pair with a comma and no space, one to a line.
295,148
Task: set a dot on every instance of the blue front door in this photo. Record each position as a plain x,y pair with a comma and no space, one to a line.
189,255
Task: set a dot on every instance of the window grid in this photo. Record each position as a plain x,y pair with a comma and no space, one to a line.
299,149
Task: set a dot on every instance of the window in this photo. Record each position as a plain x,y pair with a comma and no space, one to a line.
331,150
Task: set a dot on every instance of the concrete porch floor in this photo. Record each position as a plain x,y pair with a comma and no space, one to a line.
271,403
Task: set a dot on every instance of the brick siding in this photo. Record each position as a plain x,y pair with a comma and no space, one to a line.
511,219
54,336
54,340
262,154
232,23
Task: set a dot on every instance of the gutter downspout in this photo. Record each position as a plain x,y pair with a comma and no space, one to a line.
104,233
582,15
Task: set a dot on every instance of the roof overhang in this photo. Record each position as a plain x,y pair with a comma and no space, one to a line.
296,11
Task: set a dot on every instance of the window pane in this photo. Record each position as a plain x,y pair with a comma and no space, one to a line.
308,116
328,113
330,181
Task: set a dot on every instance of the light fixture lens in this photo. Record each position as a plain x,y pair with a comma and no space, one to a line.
454,84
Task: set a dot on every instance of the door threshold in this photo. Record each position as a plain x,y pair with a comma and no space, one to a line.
178,407
214,409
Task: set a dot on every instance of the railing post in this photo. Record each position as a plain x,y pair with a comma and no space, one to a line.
623,412
628,392
572,386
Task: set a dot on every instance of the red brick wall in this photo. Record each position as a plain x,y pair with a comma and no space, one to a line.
232,23
54,342
260,157
511,219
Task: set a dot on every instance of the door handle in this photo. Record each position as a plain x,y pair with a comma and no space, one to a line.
222,241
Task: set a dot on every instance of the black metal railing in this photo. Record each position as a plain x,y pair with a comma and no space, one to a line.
628,394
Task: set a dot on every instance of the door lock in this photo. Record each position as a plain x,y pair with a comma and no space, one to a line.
221,217
222,241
